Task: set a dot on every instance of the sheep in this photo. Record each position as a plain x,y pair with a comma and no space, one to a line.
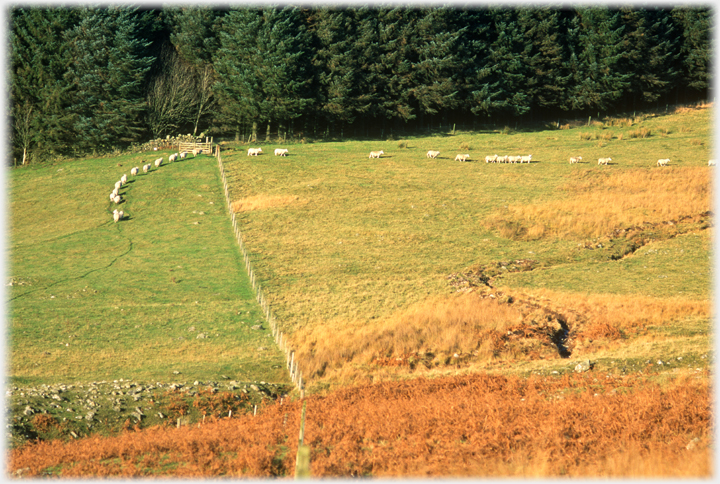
146,167
663,162
118,184
158,162
575,159
183,154
464,157
525,159
172,157
711,163
134,171
513,159
280,151
254,151
123,179
432,154
117,199
503,159
604,161
493,159
376,154
197,151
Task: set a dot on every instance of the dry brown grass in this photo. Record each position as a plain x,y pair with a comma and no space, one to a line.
578,425
261,202
473,329
597,203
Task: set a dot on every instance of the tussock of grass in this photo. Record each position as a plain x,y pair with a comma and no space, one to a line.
597,203
261,202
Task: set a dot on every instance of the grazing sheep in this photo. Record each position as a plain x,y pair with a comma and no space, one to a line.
663,162
604,161
464,157
280,151
158,162
117,199
254,151
575,159
172,157
503,159
525,159
711,163
123,179
118,184
183,154
134,171
432,154
493,159
376,154
146,168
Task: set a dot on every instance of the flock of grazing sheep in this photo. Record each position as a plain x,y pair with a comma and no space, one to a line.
115,196
465,157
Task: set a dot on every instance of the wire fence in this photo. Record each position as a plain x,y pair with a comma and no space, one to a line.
281,339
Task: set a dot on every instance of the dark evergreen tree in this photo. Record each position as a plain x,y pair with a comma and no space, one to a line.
596,52
436,68
107,76
651,50
336,65
501,75
263,65
694,23
544,55
39,59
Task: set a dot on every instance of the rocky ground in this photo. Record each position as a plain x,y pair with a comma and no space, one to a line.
107,407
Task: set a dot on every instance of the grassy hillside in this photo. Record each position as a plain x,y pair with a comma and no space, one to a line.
494,293
350,248
161,295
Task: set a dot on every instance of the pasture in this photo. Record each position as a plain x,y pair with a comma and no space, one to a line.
350,249
161,295
573,280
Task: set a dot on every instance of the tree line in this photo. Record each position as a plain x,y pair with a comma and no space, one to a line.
96,79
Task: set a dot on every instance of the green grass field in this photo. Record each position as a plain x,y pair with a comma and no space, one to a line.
359,260
96,300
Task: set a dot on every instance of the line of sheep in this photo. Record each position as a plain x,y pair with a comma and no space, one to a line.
508,159
115,196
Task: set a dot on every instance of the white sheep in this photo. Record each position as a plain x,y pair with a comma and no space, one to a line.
604,161
376,154
280,151
254,151
663,162
464,157
134,171
493,159
183,154
117,199
503,159
432,154
575,159
123,179
525,159
158,162
172,157
711,163
146,167
118,184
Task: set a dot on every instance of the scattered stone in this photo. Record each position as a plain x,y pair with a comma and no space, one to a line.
583,366
202,336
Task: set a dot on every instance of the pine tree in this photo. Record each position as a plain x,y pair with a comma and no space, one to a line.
694,23
39,58
501,87
107,77
596,50
262,68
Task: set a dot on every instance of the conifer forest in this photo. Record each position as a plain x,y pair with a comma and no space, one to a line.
92,80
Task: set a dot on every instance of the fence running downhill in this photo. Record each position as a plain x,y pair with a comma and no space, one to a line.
280,339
